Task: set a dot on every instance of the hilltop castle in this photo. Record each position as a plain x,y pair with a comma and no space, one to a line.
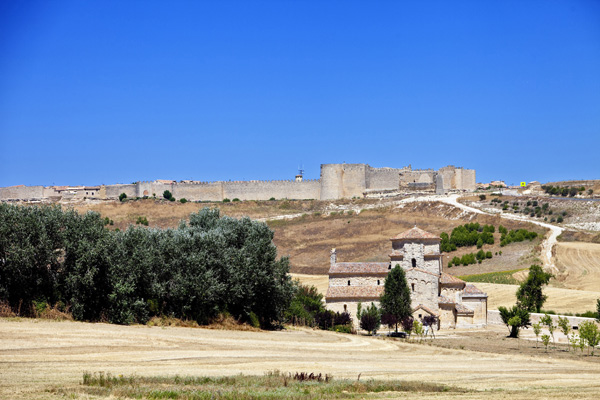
433,292
337,181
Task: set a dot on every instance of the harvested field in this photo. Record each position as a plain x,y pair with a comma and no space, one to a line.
39,358
579,265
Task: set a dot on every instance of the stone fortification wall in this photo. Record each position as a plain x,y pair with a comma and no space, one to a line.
343,180
113,191
206,191
383,178
22,193
264,190
458,178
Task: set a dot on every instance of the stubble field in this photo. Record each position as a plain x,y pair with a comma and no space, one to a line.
46,359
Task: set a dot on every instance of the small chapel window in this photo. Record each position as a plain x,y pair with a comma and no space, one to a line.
414,263
377,282
348,283
390,266
413,286
345,308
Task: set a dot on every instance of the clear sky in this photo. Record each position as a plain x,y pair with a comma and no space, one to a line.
120,91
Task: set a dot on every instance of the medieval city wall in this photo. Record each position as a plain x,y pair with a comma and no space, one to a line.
337,181
383,178
264,190
113,191
21,193
343,181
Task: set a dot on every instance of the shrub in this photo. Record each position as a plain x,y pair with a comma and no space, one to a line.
482,197
122,197
167,195
226,200
559,219
183,200
272,199
235,199
141,220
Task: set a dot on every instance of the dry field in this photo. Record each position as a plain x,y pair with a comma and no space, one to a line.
579,265
40,357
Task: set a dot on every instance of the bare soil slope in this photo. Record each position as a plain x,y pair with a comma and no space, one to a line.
37,356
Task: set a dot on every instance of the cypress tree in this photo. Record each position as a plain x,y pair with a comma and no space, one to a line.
396,296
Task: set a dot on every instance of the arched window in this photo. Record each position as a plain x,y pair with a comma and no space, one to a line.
390,266
348,282
414,263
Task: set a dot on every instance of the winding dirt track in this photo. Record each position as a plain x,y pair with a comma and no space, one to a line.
37,355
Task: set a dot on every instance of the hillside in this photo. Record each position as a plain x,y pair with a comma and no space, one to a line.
360,229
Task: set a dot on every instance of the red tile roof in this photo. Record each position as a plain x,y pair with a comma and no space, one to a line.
473,291
354,292
415,233
462,309
445,300
429,310
359,268
449,279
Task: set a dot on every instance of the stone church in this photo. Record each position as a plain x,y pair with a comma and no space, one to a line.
433,292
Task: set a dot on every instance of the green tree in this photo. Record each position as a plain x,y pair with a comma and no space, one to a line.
598,310
546,341
122,196
167,195
537,329
564,325
549,323
529,293
396,295
370,319
507,313
588,332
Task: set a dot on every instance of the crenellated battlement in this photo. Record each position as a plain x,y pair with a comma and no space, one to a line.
336,181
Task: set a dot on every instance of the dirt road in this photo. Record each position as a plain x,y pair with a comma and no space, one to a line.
36,355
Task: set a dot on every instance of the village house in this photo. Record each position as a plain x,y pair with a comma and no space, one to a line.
454,302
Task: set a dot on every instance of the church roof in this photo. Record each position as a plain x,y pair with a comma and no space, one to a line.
460,309
359,268
354,292
415,233
449,279
473,291
445,300
427,309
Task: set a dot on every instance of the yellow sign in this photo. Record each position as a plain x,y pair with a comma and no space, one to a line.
523,184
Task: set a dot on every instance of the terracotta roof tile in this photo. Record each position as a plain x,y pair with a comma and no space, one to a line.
473,291
462,309
415,233
354,292
429,310
445,300
448,279
360,268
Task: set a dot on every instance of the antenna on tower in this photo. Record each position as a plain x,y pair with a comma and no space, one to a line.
300,174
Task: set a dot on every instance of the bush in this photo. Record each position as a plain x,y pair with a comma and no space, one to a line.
142,221
122,197
226,200
272,199
559,219
167,195
235,199
183,200
482,197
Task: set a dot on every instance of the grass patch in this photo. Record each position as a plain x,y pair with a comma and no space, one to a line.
503,277
272,385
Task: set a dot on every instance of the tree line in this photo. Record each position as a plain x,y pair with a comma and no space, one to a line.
206,266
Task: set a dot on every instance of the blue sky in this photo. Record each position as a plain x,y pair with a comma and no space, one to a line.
113,91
